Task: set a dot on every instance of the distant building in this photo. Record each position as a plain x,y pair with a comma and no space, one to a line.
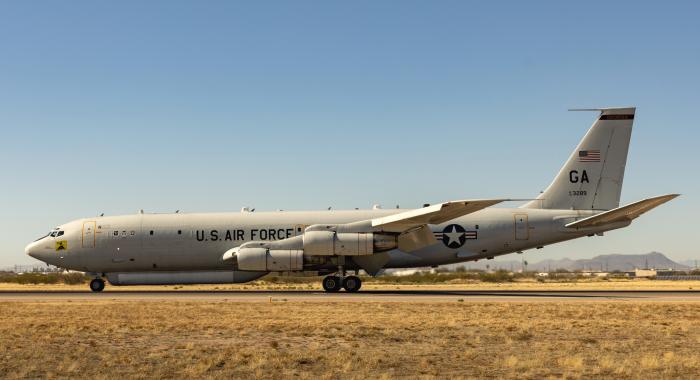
644,273
594,274
408,272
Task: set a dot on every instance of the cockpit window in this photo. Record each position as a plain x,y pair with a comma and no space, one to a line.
53,233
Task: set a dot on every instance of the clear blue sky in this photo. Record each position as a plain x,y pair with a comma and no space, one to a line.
116,106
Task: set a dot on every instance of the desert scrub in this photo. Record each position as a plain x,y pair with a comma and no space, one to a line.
44,278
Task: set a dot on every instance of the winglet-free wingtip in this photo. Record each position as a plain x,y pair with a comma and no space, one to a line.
667,197
624,213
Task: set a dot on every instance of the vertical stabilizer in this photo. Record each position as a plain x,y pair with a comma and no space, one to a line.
591,179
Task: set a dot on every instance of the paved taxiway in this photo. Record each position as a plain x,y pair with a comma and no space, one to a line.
369,295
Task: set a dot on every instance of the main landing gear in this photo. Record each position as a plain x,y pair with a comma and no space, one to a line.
97,284
352,284
333,283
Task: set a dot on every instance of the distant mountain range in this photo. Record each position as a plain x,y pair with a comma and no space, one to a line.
607,263
690,263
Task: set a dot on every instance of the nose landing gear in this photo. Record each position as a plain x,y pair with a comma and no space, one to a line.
97,284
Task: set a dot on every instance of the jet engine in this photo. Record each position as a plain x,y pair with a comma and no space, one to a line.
331,243
270,260
289,255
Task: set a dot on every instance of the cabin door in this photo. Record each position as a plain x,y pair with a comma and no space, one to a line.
522,230
88,240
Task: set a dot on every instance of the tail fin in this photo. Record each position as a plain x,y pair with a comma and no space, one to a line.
592,177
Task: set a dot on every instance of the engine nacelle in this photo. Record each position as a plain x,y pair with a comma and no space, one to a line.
329,243
270,260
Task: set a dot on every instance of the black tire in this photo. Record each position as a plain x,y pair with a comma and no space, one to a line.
332,284
352,284
97,285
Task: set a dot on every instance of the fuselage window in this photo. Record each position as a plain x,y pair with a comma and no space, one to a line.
179,232
151,233
59,233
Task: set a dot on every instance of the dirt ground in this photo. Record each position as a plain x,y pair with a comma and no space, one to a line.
205,339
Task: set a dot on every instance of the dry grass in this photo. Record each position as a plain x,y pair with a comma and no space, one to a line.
203,339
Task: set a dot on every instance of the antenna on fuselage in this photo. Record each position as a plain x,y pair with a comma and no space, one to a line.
585,109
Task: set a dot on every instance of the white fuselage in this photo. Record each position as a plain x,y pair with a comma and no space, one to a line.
206,248
196,242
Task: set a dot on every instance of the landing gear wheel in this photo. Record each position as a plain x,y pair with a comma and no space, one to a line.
97,285
332,284
352,284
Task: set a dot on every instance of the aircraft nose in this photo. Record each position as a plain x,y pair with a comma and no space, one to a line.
30,250
36,250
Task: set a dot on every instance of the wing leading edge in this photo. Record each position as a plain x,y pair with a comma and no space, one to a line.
435,214
412,225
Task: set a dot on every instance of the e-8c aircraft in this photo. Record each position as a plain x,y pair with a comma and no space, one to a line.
583,200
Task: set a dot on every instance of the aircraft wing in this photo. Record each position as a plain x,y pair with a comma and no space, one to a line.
435,214
624,213
412,225
410,229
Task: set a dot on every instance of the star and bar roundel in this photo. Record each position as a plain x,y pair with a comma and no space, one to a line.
454,236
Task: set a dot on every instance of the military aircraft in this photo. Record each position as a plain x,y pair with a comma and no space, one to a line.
213,248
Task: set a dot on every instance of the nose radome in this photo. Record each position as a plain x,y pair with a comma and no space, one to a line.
30,250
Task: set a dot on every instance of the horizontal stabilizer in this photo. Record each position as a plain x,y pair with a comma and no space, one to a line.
622,214
435,214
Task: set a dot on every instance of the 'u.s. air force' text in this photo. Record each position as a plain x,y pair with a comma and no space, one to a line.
241,235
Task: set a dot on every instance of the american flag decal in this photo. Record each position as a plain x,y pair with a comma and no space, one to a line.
589,156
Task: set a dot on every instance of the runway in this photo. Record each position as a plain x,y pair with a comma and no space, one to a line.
362,296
